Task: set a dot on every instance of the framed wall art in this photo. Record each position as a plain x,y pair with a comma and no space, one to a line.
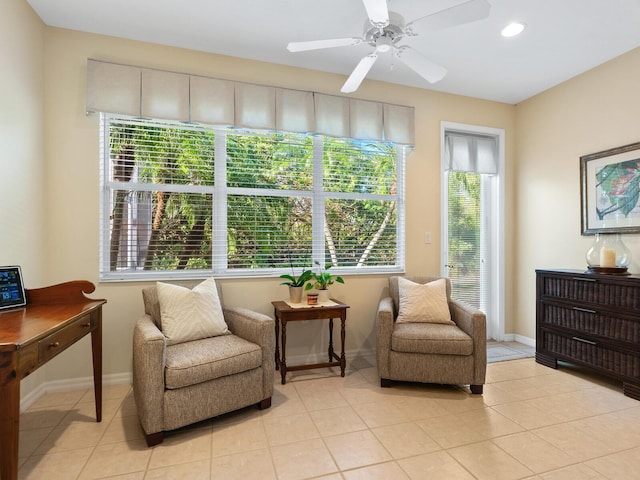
610,190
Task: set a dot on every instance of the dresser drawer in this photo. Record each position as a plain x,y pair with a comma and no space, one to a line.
592,322
591,290
572,347
55,343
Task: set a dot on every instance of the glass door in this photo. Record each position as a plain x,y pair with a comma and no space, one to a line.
472,234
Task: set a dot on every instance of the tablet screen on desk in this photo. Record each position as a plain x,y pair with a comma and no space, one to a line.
11,288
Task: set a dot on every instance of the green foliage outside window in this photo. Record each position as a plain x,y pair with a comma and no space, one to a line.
166,208
464,223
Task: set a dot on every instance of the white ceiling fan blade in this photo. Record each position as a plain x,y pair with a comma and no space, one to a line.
318,44
465,12
358,74
378,12
430,71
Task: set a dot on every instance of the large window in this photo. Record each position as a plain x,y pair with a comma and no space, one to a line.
182,199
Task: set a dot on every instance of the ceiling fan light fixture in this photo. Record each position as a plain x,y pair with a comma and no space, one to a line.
513,29
384,44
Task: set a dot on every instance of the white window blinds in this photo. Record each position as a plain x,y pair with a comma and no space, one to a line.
471,153
181,199
149,93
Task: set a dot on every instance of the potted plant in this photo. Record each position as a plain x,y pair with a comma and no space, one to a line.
296,284
321,280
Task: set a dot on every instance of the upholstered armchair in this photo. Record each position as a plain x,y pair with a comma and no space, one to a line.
177,383
430,350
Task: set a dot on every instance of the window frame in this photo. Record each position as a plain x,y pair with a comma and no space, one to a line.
220,191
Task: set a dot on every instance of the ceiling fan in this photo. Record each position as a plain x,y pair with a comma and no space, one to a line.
384,29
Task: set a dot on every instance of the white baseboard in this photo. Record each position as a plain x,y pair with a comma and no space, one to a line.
529,342
369,355
71,384
514,337
126,378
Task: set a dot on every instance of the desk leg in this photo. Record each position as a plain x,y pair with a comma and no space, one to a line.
283,362
343,358
277,324
10,418
331,352
96,351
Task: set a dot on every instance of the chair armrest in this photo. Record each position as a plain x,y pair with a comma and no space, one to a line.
252,326
259,329
149,346
469,319
384,325
474,323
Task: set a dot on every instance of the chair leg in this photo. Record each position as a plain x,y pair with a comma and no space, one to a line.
476,389
385,382
263,404
154,438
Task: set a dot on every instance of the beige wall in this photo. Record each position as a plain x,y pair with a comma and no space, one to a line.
53,175
21,121
50,172
22,160
72,200
595,111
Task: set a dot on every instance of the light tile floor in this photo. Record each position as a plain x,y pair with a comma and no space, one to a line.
532,422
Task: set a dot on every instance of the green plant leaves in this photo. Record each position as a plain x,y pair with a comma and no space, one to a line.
293,281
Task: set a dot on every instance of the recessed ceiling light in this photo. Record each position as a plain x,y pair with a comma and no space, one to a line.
512,29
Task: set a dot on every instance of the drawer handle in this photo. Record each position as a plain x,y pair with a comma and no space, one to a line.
581,279
54,344
586,310
86,325
582,340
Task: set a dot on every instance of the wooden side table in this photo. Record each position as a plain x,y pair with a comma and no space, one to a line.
285,313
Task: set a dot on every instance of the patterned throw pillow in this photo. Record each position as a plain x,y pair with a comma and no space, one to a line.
426,303
190,314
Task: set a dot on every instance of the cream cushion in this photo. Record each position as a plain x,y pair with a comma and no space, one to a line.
190,314
426,303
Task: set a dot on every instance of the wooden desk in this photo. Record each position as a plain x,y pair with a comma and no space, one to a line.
55,318
284,313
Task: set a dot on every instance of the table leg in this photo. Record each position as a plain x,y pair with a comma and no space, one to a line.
331,339
343,358
96,351
283,362
10,418
277,324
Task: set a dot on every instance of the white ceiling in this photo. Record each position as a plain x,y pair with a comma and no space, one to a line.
563,38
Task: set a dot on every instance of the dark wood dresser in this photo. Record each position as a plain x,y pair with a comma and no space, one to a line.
591,320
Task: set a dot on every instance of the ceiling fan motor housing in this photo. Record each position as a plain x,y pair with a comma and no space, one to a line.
384,38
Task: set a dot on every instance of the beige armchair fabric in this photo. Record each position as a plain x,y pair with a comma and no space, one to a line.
428,352
177,385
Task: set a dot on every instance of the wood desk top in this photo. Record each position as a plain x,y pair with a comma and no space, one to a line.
46,310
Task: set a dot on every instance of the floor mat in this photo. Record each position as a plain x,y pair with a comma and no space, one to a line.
501,351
